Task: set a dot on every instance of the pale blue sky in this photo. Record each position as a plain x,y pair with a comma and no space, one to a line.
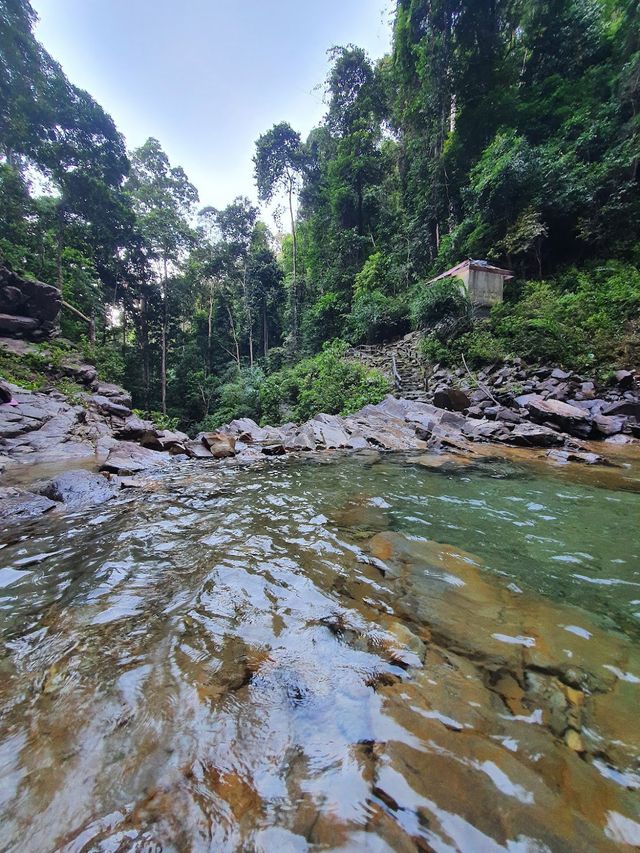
206,77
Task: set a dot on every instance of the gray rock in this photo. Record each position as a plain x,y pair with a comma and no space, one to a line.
109,407
623,407
569,418
534,435
85,374
113,392
79,488
132,428
625,379
609,424
17,505
126,458
26,299
196,449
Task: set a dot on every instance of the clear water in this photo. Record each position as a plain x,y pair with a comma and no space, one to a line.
349,653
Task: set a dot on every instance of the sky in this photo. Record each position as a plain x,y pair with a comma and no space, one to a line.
207,77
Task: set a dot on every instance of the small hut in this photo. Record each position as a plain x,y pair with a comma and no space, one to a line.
483,283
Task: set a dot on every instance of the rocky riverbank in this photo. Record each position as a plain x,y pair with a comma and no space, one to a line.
56,451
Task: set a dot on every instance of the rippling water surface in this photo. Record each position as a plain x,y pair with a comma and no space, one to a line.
343,653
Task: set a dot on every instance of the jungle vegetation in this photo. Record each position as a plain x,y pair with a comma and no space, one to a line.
499,129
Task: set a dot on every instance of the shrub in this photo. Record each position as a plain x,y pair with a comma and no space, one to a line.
441,302
375,317
325,383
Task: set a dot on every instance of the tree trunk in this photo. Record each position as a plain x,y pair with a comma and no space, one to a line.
234,336
144,335
295,264
265,330
209,325
163,343
60,245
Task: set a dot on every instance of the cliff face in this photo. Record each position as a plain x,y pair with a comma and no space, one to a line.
28,308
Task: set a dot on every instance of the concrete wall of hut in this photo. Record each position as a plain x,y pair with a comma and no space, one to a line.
484,288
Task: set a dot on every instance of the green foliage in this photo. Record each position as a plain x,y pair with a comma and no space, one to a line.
376,316
444,300
585,319
158,419
325,383
238,398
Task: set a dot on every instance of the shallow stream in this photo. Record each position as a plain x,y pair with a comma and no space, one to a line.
363,652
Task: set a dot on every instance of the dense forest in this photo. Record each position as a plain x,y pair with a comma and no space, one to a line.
499,129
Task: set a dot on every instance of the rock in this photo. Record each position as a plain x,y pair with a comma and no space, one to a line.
587,391
274,448
109,407
569,418
609,424
165,439
126,458
85,374
557,373
625,379
23,299
452,399
221,446
564,456
574,741
197,450
623,407
17,505
487,430
329,432
619,439
301,440
79,488
132,428
6,394
245,430
534,435
113,392
17,325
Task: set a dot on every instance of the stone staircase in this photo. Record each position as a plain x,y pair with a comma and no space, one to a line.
399,361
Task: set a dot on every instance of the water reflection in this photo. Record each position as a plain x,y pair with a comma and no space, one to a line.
366,654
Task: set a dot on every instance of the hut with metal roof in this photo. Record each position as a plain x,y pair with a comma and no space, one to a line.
483,283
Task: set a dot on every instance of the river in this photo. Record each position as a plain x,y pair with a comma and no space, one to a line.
340,652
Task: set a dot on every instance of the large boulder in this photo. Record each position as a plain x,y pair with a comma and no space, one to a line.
109,407
534,435
452,399
126,458
564,416
221,446
28,307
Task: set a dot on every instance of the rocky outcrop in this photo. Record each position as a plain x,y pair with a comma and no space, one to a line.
28,308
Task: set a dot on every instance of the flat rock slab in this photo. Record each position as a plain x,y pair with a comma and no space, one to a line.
126,458
79,488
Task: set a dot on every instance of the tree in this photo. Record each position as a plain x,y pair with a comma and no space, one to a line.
163,199
279,162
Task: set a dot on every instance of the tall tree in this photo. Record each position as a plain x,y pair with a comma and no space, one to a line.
279,162
163,200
